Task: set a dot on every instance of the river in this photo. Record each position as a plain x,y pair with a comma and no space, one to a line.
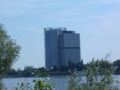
61,82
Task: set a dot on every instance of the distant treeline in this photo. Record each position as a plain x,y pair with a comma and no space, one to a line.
30,71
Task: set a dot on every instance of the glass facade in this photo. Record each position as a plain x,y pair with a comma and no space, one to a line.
61,46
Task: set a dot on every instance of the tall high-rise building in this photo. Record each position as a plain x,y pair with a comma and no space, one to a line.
61,47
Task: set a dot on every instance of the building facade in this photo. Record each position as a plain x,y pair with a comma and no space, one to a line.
61,47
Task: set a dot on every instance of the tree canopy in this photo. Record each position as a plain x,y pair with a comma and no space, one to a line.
117,65
9,51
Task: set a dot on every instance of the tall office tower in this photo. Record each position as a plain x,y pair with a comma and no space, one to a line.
61,47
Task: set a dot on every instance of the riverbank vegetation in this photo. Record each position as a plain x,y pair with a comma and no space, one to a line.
55,71
98,75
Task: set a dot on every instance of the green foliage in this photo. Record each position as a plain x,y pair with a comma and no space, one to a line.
30,71
23,86
43,82
117,65
98,76
1,85
9,51
38,85
42,85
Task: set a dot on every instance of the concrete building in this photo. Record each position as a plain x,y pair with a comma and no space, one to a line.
61,47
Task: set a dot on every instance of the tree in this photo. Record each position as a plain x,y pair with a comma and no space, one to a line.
9,51
97,76
28,71
117,65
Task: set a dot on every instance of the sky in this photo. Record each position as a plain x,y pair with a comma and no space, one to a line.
97,21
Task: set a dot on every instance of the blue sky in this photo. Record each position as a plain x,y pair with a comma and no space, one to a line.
97,21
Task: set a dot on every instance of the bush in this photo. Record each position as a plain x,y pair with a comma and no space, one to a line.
97,76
